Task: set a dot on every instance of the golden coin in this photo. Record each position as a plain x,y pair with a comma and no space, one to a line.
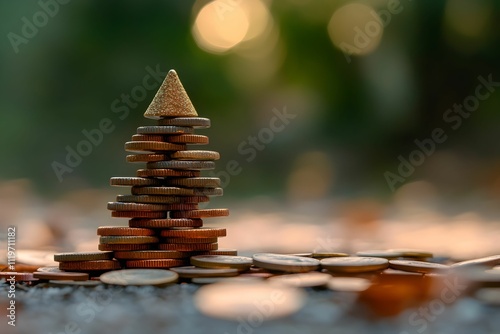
167,172
323,255
120,247
411,253
287,263
418,266
202,213
192,272
149,254
220,251
139,277
90,265
195,122
134,181
241,263
163,130
236,300
188,247
152,146
203,232
190,240
128,240
148,138
155,263
195,182
165,223
146,157
83,256
489,261
123,230
182,164
381,253
353,264
160,199
302,280
188,139
349,284
195,155
138,214
124,206
64,275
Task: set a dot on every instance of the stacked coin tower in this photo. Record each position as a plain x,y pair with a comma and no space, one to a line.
165,226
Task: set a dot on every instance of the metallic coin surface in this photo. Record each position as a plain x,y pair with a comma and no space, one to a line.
139,277
287,263
354,264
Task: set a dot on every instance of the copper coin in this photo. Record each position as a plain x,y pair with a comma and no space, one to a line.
195,182
134,181
120,247
123,230
90,265
188,139
162,191
83,256
165,223
164,129
203,213
288,263
152,146
182,164
167,172
354,264
194,232
220,251
123,206
18,277
418,266
127,240
190,240
155,263
196,155
160,199
192,272
188,247
149,254
64,275
138,214
146,157
195,122
148,138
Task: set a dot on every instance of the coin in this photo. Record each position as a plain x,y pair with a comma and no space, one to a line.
64,275
190,240
353,264
302,280
138,214
139,277
120,206
167,172
348,284
196,155
155,263
163,129
323,254
202,213
418,266
287,263
50,269
489,261
123,230
188,139
90,283
149,254
159,199
148,138
83,256
152,146
182,164
192,272
220,251
188,247
146,157
411,253
236,301
162,191
165,223
241,263
195,182
120,247
195,122
134,181
18,277
90,265
203,232
128,240
380,253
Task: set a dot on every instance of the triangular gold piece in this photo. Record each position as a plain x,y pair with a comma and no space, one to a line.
171,100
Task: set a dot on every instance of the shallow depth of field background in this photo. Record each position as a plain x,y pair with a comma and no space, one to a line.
318,183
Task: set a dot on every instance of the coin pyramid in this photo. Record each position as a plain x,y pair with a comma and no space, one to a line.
165,221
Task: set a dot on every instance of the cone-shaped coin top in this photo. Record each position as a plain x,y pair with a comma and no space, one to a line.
171,100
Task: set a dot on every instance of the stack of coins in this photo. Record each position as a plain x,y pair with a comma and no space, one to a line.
163,203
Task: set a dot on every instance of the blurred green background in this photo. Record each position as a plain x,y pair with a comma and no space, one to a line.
239,61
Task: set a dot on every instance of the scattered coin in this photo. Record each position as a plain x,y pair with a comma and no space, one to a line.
128,240
124,231
323,254
489,261
192,272
121,206
195,182
190,240
301,254
134,181
61,276
50,269
195,122
241,263
138,214
381,253
164,129
167,173
194,232
139,277
202,213
152,146
146,157
353,264
18,277
302,280
182,164
348,284
287,263
196,155
90,265
188,247
82,256
120,247
165,223
155,263
149,254
418,266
